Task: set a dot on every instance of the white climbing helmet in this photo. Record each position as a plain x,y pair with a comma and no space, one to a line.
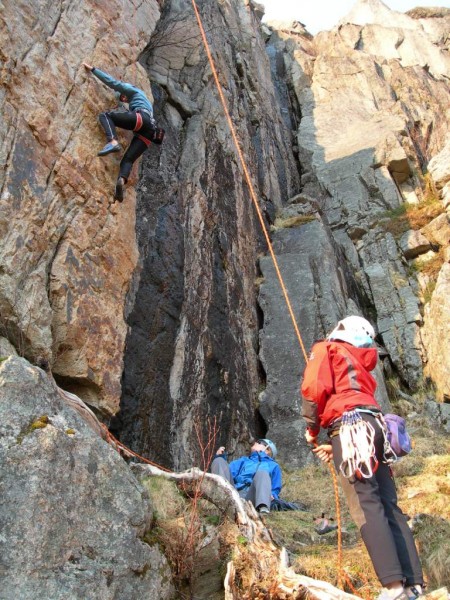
271,445
354,330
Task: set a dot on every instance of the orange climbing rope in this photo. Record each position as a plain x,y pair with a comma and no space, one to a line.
248,180
341,574
122,449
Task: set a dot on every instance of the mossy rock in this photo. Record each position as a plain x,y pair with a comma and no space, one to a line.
39,423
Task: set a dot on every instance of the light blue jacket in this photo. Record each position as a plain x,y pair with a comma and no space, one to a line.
136,97
243,470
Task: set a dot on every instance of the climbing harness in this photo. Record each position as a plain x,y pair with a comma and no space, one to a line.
157,133
357,442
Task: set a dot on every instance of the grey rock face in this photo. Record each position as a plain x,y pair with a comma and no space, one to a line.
438,231
439,167
361,128
361,138
439,413
413,244
192,344
322,289
6,348
72,515
436,333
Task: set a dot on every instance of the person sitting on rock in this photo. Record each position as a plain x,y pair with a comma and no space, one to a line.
257,477
139,119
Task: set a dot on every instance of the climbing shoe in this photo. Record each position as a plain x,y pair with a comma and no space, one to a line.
326,528
118,192
109,148
400,594
414,592
263,509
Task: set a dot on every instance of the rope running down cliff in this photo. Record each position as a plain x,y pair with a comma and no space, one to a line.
341,573
248,180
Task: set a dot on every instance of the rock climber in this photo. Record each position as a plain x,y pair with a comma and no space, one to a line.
257,477
139,119
338,394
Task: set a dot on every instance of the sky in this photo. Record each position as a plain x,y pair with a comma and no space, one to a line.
318,15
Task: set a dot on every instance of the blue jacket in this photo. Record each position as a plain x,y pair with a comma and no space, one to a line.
136,97
243,470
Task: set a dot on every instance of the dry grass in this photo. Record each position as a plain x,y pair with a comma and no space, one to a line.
295,221
311,486
429,267
423,481
180,527
432,534
427,491
412,216
320,562
159,489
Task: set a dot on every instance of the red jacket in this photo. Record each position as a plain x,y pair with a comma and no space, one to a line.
337,379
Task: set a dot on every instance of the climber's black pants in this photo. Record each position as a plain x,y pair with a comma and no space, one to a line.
383,526
133,152
131,121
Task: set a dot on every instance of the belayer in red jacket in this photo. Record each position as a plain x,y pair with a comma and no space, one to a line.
338,394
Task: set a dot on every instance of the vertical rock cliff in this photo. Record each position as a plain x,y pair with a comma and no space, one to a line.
372,98
160,306
192,348
67,256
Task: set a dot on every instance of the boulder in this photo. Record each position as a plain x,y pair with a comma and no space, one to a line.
73,517
413,243
438,230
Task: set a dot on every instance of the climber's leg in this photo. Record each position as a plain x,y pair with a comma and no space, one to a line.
134,151
109,121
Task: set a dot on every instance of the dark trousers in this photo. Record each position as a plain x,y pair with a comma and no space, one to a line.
260,490
127,120
383,526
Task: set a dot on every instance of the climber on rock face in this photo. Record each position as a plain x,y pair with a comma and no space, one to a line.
139,119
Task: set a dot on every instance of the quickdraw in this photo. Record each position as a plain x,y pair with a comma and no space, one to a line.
358,448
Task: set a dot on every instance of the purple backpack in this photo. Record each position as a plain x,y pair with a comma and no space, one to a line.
397,435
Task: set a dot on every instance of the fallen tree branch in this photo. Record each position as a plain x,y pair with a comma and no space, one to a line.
269,562
214,488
